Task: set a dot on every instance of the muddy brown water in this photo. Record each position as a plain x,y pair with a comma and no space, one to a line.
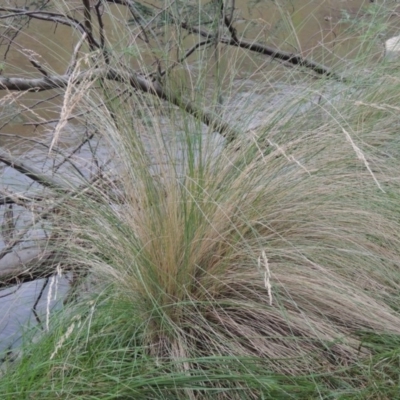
313,28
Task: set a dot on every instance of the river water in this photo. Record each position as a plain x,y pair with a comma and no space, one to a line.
313,28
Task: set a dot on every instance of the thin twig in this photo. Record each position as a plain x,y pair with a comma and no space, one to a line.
228,22
37,302
101,32
183,58
11,293
38,67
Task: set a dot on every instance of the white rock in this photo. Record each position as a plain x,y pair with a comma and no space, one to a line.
392,48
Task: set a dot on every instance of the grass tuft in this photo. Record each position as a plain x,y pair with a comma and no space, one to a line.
262,268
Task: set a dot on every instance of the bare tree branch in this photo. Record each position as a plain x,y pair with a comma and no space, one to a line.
228,21
136,81
33,263
31,172
58,151
26,265
87,15
291,58
22,200
56,18
38,66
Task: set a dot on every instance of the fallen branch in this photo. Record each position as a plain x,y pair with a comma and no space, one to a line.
136,81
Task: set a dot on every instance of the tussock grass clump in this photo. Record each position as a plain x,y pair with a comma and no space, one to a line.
264,258
263,268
